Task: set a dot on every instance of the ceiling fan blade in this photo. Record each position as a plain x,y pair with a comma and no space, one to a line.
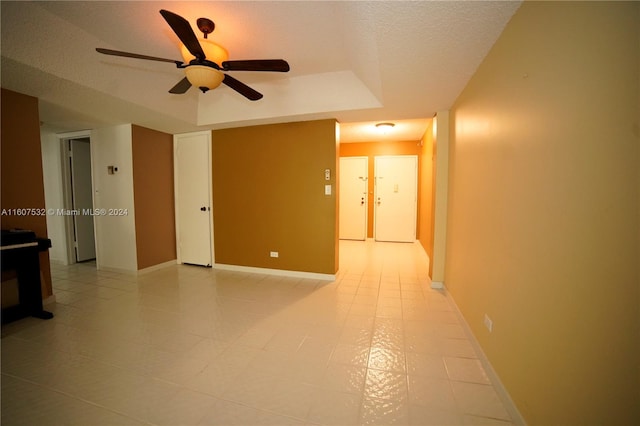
185,33
135,55
182,86
242,88
277,65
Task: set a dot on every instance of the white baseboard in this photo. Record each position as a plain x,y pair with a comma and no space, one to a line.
280,272
118,270
439,285
509,405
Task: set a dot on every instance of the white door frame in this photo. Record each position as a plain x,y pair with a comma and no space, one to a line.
66,190
85,236
176,138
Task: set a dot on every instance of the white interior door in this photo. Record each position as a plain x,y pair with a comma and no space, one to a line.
193,198
396,198
82,199
353,198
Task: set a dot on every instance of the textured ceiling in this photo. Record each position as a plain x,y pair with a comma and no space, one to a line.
357,61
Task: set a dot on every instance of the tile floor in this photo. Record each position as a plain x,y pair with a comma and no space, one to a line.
186,345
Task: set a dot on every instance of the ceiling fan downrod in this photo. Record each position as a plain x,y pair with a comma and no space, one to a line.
206,25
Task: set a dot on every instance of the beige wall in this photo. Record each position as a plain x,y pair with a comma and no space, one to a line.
268,195
544,211
22,182
152,153
440,197
427,193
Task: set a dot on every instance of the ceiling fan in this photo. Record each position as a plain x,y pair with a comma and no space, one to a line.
205,61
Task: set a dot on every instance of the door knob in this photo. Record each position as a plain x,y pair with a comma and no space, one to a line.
203,209
379,201
362,201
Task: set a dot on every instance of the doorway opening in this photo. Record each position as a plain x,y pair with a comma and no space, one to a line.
78,199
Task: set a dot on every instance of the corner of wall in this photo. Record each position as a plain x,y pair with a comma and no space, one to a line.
115,236
441,142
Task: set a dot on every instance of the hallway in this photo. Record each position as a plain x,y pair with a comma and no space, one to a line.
197,346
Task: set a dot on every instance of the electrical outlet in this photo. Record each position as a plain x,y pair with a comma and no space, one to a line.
488,323
274,254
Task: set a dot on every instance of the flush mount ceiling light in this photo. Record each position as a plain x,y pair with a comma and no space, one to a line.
384,128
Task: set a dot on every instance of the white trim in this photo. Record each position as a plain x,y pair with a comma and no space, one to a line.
63,140
439,285
281,272
74,135
118,270
66,197
502,392
158,266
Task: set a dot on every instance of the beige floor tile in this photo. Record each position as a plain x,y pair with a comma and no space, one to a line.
466,370
355,355
380,384
431,392
343,378
387,359
335,408
384,412
426,365
191,345
223,413
428,416
479,400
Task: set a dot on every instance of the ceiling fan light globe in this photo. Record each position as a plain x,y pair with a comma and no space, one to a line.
203,76
213,52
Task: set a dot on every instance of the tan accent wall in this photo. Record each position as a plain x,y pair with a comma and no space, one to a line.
152,153
373,149
268,195
544,210
22,181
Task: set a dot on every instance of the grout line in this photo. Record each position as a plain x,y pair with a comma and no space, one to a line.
68,395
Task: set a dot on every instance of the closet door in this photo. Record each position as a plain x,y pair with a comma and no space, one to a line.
194,218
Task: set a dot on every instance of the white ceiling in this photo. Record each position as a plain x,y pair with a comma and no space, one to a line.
357,61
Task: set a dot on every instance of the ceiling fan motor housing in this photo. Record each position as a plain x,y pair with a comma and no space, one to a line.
212,51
